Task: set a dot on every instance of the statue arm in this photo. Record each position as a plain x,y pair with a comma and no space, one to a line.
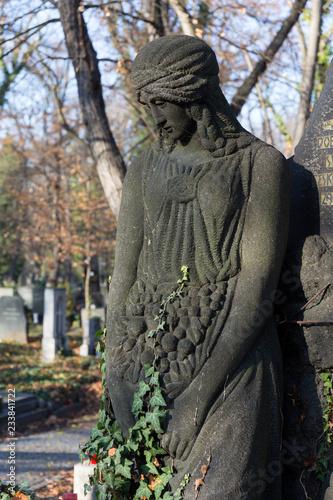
128,247
262,251
129,239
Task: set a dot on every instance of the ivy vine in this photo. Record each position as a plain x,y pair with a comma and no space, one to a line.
133,467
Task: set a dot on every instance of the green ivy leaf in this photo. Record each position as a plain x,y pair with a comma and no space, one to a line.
108,478
6,496
137,404
96,433
158,399
154,379
158,490
147,433
143,389
140,424
151,468
125,469
133,445
87,488
116,432
149,370
143,491
156,418
82,455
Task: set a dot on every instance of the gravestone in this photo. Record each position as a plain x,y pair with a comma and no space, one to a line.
6,292
308,345
38,301
90,327
33,299
314,153
26,294
54,324
95,282
13,322
97,312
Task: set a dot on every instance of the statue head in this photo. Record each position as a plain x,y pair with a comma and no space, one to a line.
183,70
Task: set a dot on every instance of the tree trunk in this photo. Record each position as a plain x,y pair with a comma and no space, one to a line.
245,89
309,68
109,162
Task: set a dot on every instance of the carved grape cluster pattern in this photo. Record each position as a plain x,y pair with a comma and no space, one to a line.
180,346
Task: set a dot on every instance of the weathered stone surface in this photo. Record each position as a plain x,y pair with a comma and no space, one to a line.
6,292
211,196
13,322
307,352
315,153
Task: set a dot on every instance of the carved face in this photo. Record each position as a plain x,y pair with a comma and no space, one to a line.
174,119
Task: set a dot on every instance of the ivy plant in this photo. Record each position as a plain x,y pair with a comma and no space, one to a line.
133,467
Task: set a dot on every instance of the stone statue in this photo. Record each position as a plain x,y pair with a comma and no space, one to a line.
211,196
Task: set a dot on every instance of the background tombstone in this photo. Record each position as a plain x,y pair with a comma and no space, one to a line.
6,292
312,168
97,312
308,346
25,292
54,324
38,301
90,327
13,322
33,299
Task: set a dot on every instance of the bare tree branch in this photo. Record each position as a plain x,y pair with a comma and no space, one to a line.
245,89
184,17
59,104
267,127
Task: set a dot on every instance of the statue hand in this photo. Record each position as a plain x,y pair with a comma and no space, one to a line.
122,401
180,441
182,426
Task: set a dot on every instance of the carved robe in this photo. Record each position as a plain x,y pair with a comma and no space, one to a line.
194,215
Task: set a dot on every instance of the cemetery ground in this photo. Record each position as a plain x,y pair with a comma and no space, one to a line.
70,390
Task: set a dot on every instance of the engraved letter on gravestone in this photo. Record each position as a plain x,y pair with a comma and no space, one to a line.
13,323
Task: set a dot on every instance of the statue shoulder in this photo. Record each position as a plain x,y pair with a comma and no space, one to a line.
135,169
271,162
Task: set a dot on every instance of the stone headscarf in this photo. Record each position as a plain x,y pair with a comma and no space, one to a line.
183,69
177,68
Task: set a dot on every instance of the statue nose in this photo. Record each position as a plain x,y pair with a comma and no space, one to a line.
158,116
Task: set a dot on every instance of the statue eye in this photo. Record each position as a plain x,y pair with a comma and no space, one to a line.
159,103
